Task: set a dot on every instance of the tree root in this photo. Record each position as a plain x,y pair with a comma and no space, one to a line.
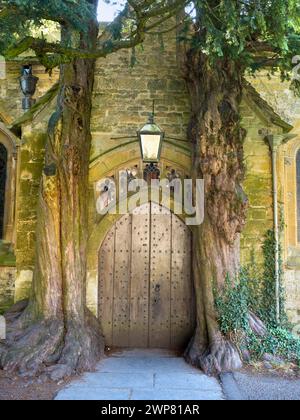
257,326
221,357
33,349
50,347
83,345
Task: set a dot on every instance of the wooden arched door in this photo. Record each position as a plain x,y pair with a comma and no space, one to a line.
146,296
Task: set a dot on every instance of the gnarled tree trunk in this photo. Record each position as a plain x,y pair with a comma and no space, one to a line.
217,139
56,332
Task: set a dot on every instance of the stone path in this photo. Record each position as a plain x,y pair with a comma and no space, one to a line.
143,375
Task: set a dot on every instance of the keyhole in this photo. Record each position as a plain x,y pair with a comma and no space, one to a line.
157,288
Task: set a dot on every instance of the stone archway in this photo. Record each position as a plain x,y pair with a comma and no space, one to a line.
9,144
146,296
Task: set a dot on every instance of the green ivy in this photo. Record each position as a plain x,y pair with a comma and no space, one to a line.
267,309
233,305
254,291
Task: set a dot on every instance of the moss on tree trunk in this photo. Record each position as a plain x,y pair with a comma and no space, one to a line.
217,138
56,332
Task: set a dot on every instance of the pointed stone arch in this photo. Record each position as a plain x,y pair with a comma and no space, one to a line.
10,142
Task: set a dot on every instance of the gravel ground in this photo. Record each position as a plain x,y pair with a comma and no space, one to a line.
16,388
263,388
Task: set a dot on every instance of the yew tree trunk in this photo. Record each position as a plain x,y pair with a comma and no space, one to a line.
56,332
217,138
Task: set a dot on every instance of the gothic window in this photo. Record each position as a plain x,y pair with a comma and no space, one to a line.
298,194
3,177
151,172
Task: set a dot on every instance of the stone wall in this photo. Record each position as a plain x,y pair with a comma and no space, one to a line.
292,293
10,92
123,94
30,158
278,94
257,186
31,162
7,287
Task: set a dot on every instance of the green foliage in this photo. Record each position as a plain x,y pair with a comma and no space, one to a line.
19,17
278,342
254,292
22,23
254,33
233,305
267,307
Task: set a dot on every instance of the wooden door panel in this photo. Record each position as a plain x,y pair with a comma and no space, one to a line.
140,271
106,285
160,278
182,308
121,307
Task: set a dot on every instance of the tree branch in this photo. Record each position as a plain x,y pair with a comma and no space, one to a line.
53,54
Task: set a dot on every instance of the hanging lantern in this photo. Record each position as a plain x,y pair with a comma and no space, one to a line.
151,139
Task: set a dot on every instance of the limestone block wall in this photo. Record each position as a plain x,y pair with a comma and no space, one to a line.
10,92
292,293
30,158
123,94
30,169
30,166
278,94
7,287
257,186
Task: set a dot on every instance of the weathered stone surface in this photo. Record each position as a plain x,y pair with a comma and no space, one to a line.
279,95
7,287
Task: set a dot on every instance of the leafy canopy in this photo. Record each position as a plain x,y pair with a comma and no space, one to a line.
256,33
20,19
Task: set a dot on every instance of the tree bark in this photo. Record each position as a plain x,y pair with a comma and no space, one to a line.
56,328
217,138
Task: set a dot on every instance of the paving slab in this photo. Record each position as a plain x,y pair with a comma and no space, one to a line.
144,353
143,375
144,364
186,381
93,394
115,380
175,395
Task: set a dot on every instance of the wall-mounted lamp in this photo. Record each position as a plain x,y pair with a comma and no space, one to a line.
28,84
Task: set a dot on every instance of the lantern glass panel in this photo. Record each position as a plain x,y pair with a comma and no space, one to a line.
150,144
